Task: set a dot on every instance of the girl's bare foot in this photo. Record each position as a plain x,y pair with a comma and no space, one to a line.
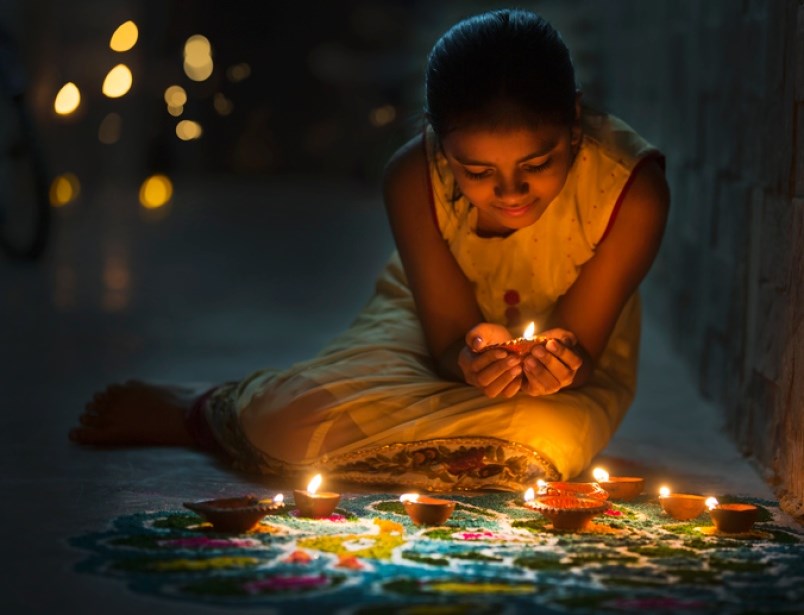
136,413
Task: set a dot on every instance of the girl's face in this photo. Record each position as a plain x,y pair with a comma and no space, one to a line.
511,175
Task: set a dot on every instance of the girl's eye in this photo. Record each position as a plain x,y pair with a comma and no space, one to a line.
538,168
480,175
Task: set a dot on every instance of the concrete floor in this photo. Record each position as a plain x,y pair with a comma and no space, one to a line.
235,276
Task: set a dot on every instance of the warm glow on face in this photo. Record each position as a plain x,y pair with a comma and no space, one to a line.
187,130
314,484
600,475
529,494
198,58
68,99
409,497
712,503
279,498
125,37
64,189
664,492
531,329
117,82
155,192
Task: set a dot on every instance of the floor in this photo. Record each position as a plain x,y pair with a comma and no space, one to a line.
234,275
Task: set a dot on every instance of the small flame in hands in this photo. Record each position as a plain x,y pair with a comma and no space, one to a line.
314,484
712,503
529,494
409,497
540,484
600,475
529,331
279,498
664,492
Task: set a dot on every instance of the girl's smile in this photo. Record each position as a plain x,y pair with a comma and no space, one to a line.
510,175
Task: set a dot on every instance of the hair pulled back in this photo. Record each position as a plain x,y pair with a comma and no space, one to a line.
506,67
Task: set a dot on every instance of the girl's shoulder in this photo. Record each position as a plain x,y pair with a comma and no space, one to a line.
613,139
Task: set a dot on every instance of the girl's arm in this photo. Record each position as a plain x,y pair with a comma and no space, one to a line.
445,301
592,305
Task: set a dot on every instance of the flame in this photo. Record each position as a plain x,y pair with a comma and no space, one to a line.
314,484
541,484
664,492
712,503
409,497
529,331
600,475
279,498
529,495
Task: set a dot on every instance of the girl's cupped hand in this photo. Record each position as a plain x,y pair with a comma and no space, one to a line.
552,366
495,372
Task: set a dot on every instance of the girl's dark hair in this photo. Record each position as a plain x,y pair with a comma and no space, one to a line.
499,68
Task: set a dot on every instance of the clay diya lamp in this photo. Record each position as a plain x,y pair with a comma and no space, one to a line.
520,345
586,490
732,518
567,512
315,504
424,510
681,506
238,514
621,488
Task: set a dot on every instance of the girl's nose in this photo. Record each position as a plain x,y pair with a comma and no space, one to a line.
513,189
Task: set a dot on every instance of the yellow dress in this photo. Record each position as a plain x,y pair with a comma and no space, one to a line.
370,408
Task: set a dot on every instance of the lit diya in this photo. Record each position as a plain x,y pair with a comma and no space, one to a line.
586,490
622,488
681,506
732,518
238,514
424,510
315,504
520,345
567,512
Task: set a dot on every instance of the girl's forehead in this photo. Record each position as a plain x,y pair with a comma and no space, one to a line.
479,143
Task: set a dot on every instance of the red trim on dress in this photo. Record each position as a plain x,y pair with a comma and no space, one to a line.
616,209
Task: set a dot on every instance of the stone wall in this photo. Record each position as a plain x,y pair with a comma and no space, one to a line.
719,86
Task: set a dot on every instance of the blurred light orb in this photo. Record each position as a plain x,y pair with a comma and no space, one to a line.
110,128
175,96
125,37
187,130
64,189
238,72
175,111
68,99
222,105
198,63
118,81
382,115
156,191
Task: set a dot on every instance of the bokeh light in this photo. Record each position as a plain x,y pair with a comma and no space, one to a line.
175,111
222,105
125,37
187,130
156,191
110,129
175,96
118,81
198,63
64,189
382,115
68,99
238,72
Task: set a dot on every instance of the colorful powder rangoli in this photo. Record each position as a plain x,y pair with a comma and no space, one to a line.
492,556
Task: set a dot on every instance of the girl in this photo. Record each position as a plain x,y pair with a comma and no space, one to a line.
514,204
